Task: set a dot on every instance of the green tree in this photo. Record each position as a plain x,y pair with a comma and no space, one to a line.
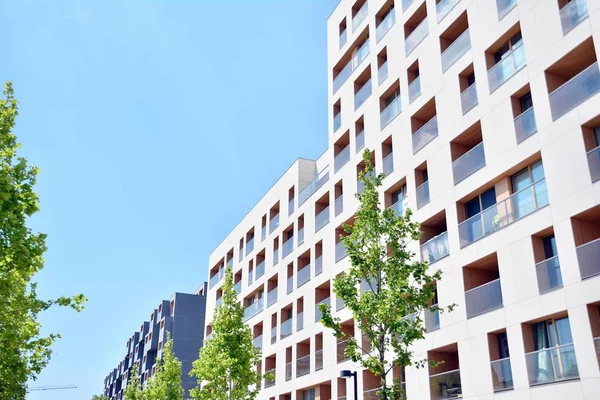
166,382
99,397
385,288
227,365
133,391
24,352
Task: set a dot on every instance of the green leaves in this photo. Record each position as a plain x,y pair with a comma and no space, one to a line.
133,391
166,382
99,397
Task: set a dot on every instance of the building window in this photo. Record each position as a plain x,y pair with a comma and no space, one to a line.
506,50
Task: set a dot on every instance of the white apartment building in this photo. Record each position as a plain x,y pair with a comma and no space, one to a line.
485,117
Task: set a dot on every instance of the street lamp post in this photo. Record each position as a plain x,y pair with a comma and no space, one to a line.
349,374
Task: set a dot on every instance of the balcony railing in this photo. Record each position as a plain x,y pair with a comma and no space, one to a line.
414,89
216,278
572,14
362,95
318,314
588,256
241,254
270,382
341,159
249,246
263,233
318,360
253,309
525,125
372,394
406,4
515,207
388,164
337,121
260,270
361,53
422,193
574,92
286,329
299,321
341,351
303,276
290,207
360,141
339,205
593,157
274,335
432,320
272,297
290,284
300,236
445,385
343,38
552,365
468,98
549,276
597,346
318,265
257,342
502,375
416,37
382,73
360,16
385,25
288,246
230,262
322,219
425,134
504,6
288,371
390,112
399,206
274,223
275,256
484,298
444,7
238,287
219,301
435,248
339,304
340,251
457,49
321,178
507,67
467,164
303,366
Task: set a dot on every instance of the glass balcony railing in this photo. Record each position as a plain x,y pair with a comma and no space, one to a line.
552,365
416,37
318,265
290,207
362,95
360,141
360,16
361,53
230,262
286,329
337,121
445,385
425,134
572,14
432,320
288,246
299,321
390,112
270,382
372,394
339,205
507,67
341,159
322,219
241,254
382,73
260,270
588,256
593,157
484,298
339,304
249,246
343,38
435,248
399,206
467,164
340,251
238,287
303,276
468,98
257,342
216,278
502,375
303,366
318,360
218,301
385,25
290,284
422,193
341,351
406,4
444,7
388,164
597,346
456,50
263,233
548,274
274,223
577,90
272,297
250,277
321,178
414,90
288,371
300,236
274,335
275,256
340,79
318,313
253,309
504,6
515,207
525,125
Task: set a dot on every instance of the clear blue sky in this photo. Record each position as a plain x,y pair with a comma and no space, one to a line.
156,125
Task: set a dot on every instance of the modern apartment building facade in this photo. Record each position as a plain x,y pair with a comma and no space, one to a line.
183,317
485,117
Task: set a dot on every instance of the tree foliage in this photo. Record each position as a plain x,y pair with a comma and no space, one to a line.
166,382
99,397
386,289
133,390
23,351
227,365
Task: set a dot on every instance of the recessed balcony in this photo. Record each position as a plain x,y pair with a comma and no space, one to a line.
425,134
551,365
444,7
572,14
467,164
385,25
416,36
575,91
508,66
456,50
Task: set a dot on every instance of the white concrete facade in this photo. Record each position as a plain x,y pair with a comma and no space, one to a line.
554,59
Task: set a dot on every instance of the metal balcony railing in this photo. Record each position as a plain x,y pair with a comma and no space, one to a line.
318,360
588,255
469,163
341,351
303,366
270,382
372,394
548,274
425,134
484,298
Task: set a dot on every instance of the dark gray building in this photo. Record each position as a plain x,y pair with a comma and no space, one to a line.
183,317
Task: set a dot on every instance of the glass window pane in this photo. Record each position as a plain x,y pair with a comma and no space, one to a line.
472,207
521,180
526,102
488,198
537,171
597,135
503,345
549,243
552,334
564,331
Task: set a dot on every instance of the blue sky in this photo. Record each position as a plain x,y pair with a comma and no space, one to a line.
156,125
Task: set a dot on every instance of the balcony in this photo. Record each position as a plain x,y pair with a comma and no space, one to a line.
318,314
416,37
260,270
390,112
382,73
290,207
445,385
432,320
360,141
588,256
274,223
337,121
286,329
341,159
270,382
341,351
548,274
318,265
339,304
504,7
512,209
552,365
484,298
272,297
238,287
360,16
372,394
249,246
385,25
275,256
263,233
468,98
572,14
300,236
399,206
414,90
313,186
339,205
303,366
288,371
303,276
253,309
274,335
343,38
288,246
507,67
574,92
525,125
362,53
435,248
469,163
299,322
290,284
216,278
219,301
422,193
340,251
250,277
318,360
597,346
322,219
362,95
502,375
257,342
388,164
457,49
241,254
425,134
444,7
594,163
